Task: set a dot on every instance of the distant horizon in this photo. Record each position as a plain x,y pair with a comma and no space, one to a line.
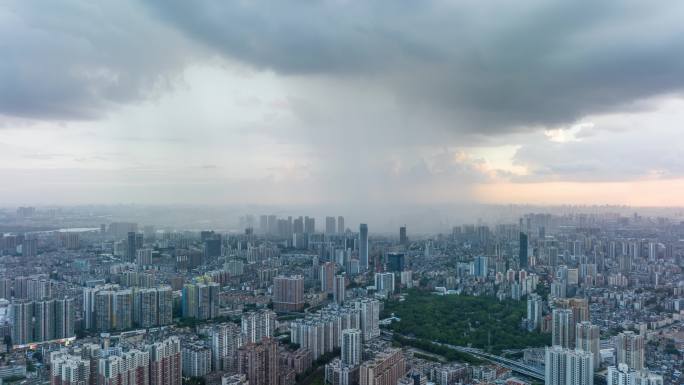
424,219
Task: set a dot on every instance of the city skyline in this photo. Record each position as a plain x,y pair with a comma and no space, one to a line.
432,103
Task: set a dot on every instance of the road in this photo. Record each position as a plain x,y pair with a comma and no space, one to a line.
515,366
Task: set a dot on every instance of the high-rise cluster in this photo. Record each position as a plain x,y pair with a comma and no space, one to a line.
38,321
109,308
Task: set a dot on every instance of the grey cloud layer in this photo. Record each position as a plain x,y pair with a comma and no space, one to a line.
476,66
471,66
77,59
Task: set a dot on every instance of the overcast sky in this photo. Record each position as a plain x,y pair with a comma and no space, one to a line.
321,102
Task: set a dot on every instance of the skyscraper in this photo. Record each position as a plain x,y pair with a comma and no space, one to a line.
481,266
395,261
122,310
288,293
568,367
257,325
578,306
340,225
21,314
534,311
363,246
103,310
38,321
621,375
351,347
259,362
370,317
386,367
563,328
522,255
212,247
165,362
330,225
196,360
580,368
272,224
29,247
263,224
630,350
384,283
339,289
309,225
64,318
327,275
131,247
67,369
132,367
200,300
587,337
226,338
403,239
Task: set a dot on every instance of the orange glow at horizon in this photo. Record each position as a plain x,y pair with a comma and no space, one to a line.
664,193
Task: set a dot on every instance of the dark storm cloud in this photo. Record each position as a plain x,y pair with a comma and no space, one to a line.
467,66
76,59
473,65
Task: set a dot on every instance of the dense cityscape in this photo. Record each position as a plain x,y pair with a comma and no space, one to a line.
568,298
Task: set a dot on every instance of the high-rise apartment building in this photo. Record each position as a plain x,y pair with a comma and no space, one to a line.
226,338
5,288
21,316
363,246
107,307
522,253
288,293
259,362
38,321
320,333
623,375
29,247
68,369
165,362
563,328
579,306
481,267
384,283
630,350
122,310
369,317
351,347
330,226
339,289
534,311
131,367
385,368
587,339
196,360
327,276
568,367
131,246
309,225
201,300
258,325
